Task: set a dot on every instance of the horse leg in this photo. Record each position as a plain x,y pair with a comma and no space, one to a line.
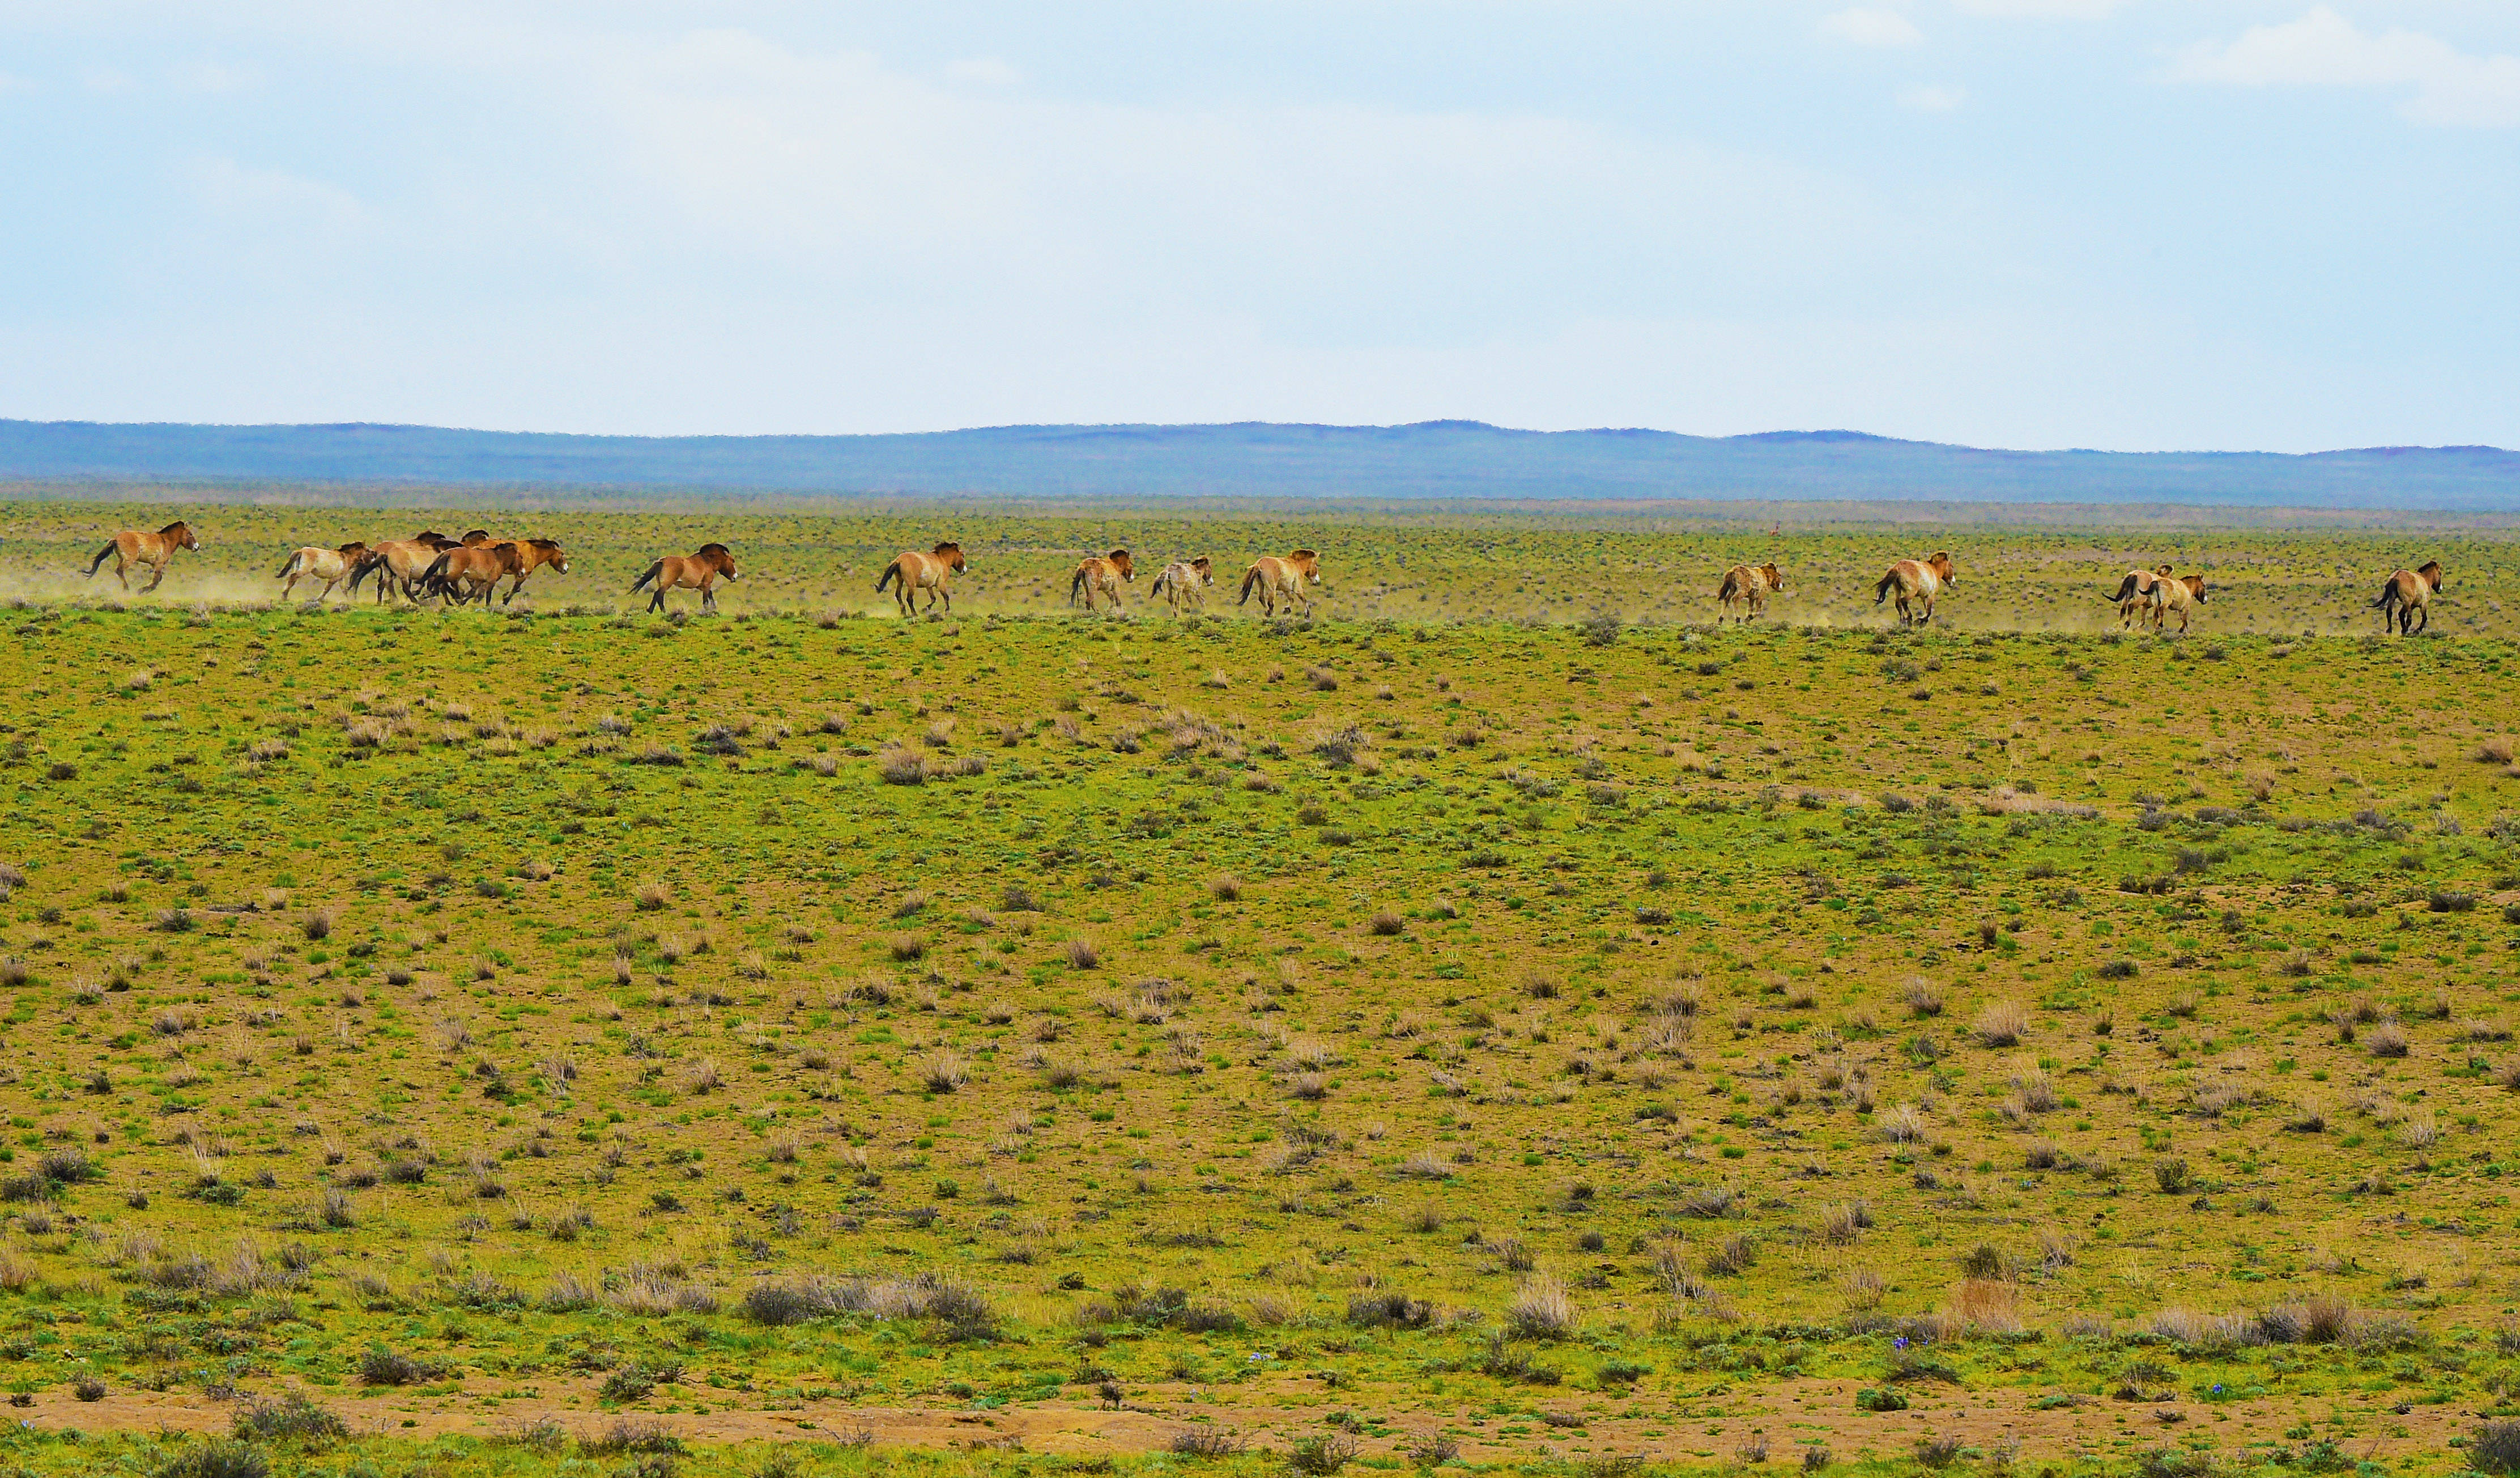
709,595
118,572
154,581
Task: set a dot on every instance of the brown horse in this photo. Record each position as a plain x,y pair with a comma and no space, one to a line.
2177,593
913,572
133,547
1282,580
330,566
2135,592
1183,581
1917,583
479,567
2408,593
533,555
401,562
1101,573
699,570
1749,584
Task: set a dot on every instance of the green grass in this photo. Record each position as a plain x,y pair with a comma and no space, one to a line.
1575,1046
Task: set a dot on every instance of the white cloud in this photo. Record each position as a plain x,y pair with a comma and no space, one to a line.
992,72
1933,98
2051,10
2323,49
1864,26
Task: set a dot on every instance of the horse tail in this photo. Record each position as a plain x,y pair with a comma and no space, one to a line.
891,573
1250,580
1075,585
1731,589
2125,589
290,568
1881,591
435,573
1163,581
654,570
99,562
368,564
2388,596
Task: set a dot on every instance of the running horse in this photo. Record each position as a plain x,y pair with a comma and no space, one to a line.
1101,573
911,572
1282,580
2177,592
1917,582
700,570
478,567
2135,592
132,547
533,555
401,562
1183,581
2408,593
313,562
1749,584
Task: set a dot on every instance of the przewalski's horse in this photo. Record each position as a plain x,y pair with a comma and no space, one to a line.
700,570
134,547
533,555
1282,580
2408,593
1917,582
399,563
330,566
2134,593
1183,581
911,572
2176,592
1751,586
478,567
1102,574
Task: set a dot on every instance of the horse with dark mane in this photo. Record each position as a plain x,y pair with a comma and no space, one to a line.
134,547
700,570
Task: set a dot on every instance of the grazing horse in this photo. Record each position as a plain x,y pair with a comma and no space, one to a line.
2135,592
480,566
330,566
1282,580
532,555
401,562
1182,579
700,570
1917,583
133,547
2408,593
911,572
1749,584
1101,573
2176,593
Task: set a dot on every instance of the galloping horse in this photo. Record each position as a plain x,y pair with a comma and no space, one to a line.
1182,581
400,561
700,570
1101,573
911,572
330,566
1282,580
532,555
2135,592
2408,593
1749,584
2177,593
480,566
1917,583
132,547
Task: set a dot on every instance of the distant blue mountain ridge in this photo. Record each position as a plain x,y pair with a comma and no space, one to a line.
1431,459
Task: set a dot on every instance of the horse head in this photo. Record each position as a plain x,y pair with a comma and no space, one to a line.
1944,569
181,533
952,554
1776,576
2431,570
1120,559
1308,562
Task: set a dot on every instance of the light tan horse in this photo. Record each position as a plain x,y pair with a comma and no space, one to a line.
1182,581
2134,593
1751,586
1917,583
533,555
478,567
400,564
1102,574
330,566
1282,580
2177,593
700,570
2408,593
133,547
911,572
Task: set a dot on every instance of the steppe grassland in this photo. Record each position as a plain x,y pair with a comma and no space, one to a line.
1395,1032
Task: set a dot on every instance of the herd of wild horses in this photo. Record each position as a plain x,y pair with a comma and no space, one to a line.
429,566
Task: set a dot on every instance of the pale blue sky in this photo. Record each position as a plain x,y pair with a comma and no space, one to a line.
2120,223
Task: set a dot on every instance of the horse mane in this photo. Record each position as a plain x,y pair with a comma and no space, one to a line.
542,544
174,528
705,550
1199,563
947,547
1303,554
